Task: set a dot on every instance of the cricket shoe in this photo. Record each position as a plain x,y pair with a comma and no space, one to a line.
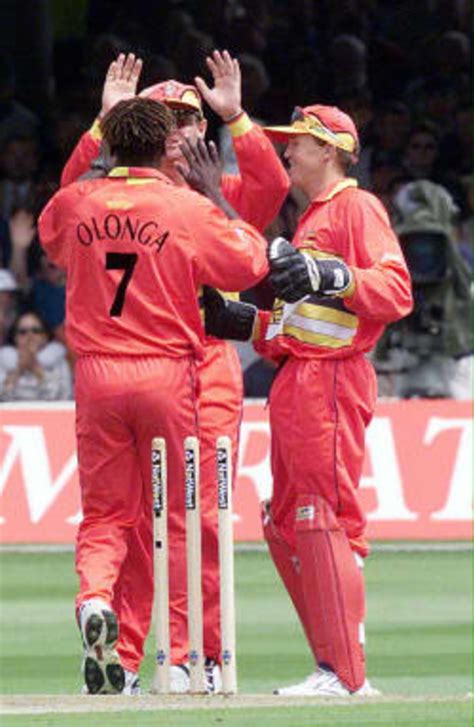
103,672
180,682
324,683
179,678
213,676
132,686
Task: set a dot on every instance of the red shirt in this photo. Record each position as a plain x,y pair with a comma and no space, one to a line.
350,224
136,250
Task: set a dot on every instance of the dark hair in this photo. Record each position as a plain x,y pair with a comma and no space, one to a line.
184,116
136,129
424,127
347,159
29,312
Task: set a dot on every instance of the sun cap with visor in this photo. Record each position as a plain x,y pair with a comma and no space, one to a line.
175,95
327,123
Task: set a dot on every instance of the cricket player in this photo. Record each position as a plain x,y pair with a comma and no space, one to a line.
136,249
340,281
256,194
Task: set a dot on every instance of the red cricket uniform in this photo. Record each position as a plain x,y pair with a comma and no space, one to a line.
256,194
324,395
136,250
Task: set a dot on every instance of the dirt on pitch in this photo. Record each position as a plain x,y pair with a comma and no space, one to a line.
57,703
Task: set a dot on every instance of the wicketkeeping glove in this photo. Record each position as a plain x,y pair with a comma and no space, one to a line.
227,319
295,274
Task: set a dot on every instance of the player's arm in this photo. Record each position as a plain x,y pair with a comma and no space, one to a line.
229,254
381,285
237,321
120,84
258,192
378,287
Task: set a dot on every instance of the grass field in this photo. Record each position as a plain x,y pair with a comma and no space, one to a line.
419,649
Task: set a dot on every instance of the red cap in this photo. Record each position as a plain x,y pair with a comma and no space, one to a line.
327,123
175,95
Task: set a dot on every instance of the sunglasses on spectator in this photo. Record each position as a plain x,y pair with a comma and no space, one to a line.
32,329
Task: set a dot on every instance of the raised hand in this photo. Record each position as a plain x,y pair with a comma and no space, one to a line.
121,81
203,170
22,229
225,98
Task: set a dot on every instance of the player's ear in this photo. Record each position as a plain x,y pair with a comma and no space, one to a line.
202,127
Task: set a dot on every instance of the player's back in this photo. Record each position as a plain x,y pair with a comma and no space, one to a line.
136,250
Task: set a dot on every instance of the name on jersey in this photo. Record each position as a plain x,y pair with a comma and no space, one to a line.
117,227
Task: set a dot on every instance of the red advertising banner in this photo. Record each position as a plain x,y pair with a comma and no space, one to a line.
416,484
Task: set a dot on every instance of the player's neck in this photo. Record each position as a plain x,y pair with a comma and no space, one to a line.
327,177
169,169
136,161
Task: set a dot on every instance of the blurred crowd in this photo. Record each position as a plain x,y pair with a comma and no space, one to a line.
401,69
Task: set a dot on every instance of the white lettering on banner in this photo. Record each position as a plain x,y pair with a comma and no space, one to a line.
259,473
386,479
28,443
75,519
459,501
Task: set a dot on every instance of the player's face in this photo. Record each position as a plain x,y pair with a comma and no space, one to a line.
188,126
305,156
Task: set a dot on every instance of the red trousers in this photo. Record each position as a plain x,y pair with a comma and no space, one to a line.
319,410
121,404
219,413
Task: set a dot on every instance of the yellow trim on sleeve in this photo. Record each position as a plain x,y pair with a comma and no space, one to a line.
95,130
240,126
348,291
317,339
318,254
330,315
230,296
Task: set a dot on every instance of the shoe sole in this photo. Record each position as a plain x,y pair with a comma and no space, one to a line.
103,673
114,680
95,625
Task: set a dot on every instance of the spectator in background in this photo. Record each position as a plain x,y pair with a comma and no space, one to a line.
33,367
348,64
421,151
40,281
21,233
49,294
8,302
14,117
456,145
391,126
445,81
19,163
421,160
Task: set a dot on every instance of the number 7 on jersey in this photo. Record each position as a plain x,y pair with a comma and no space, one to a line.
125,261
